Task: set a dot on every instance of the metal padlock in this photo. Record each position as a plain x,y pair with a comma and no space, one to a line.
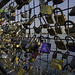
23,2
56,63
37,29
21,71
51,31
24,15
58,29
46,9
27,1
14,9
49,19
70,43
72,12
31,20
59,43
71,30
58,1
72,64
60,19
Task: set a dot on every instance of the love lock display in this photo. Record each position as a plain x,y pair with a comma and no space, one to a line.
60,19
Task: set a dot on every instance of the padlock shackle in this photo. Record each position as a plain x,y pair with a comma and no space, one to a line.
57,37
55,54
57,25
68,21
69,37
59,10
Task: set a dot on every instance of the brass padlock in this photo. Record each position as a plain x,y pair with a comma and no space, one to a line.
70,43
32,60
49,19
60,19
70,30
58,29
24,15
46,9
51,31
56,63
59,43
31,20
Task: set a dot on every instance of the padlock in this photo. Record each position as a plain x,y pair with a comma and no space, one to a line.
14,9
35,54
70,43
49,19
21,71
37,29
72,12
46,9
72,64
27,1
8,38
58,29
23,2
1,32
31,60
19,2
31,20
58,1
51,31
60,19
46,47
42,1
3,3
24,15
59,43
56,63
2,11
70,30
26,55
68,68
34,47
